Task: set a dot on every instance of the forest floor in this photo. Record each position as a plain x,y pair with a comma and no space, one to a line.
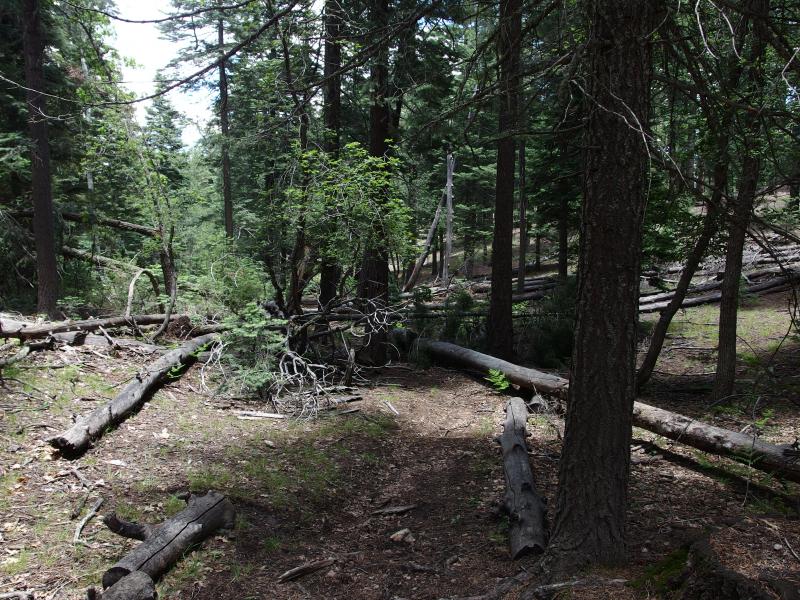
309,490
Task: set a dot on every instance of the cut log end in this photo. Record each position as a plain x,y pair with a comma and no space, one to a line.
130,586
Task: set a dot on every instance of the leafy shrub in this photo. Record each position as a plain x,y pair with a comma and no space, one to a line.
252,346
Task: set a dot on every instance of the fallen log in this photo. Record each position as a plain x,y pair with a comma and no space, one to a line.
136,586
90,427
163,545
40,331
524,506
756,453
530,379
772,285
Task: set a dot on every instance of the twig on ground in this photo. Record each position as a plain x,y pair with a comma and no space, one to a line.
89,516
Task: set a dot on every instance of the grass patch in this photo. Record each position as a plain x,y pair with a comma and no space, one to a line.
659,576
19,563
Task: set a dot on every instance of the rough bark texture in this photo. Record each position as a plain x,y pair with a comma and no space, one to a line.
227,197
500,330
659,334
41,178
331,116
77,438
168,542
523,504
709,438
374,278
592,495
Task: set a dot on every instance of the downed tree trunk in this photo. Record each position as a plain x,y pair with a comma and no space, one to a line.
90,427
529,379
40,331
136,586
163,545
523,504
709,438
772,285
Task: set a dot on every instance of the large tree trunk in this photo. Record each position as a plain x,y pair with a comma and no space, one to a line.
90,427
500,328
524,506
741,447
594,468
41,177
332,120
523,220
227,200
163,545
374,278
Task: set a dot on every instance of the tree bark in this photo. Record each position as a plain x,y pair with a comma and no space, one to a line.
165,544
500,329
90,427
592,497
331,116
41,176
523,504
227,198
523,220
374,278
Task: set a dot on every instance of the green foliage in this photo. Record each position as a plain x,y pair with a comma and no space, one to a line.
498,380
252,345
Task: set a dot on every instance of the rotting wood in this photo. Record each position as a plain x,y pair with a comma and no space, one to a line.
40,331
754,452
165,544
90,427
523,504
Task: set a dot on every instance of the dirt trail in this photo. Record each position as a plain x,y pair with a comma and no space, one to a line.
307,491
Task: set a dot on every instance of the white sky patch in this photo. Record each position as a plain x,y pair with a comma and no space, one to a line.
143,43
